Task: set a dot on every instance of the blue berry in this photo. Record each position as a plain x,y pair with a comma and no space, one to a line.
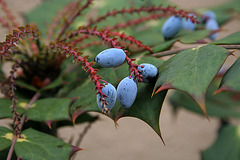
110,91
208,15
212,25
127,92
188,24
171,27
149,72
111,57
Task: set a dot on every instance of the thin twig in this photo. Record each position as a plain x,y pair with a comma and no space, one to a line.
174,51
63,29
15,137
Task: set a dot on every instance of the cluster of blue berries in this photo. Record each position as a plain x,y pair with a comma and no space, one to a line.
126,91
175,23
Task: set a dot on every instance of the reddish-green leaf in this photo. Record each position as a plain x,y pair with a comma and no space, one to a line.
192,71
231,79
36,145
6,136
230,40
227,145
49,109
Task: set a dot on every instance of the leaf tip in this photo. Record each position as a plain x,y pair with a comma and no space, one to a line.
49,124
76,114
74,150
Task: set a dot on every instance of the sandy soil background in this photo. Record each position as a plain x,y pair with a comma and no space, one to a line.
185,134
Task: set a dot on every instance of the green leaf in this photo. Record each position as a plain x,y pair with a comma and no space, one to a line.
231,79
227,145
49,109
193,37
164,45
222,105
145,108
6,136
5,110
36,146
56,83
192,71
230,40
26,85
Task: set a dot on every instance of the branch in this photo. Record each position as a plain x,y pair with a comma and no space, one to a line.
69,51
15,137
113,42
143,9
12,39
64,13
8,13
174,51
63,29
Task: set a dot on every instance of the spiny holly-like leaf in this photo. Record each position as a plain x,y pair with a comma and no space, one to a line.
36,145
5,138
194,37
222,105
192,71
145,108
231,39
227,145
231,79
49,109
5,110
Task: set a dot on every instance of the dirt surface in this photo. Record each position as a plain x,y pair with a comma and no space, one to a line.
185,134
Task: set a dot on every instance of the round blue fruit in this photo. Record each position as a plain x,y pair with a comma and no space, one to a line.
209,15
188,24
110,91
110,57
127,92
212,25
149,72
171,27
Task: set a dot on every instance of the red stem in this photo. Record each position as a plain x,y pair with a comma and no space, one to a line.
105,37
63,29
15,137
8,13
142,9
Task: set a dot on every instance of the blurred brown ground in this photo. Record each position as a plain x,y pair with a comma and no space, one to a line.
185,134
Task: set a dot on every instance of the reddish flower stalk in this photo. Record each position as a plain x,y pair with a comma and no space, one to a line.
137,21
68,50
113,42
143,9
12,39
5,23
66,12
16,117
67,23
8,13
79,39
87,45
131,39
